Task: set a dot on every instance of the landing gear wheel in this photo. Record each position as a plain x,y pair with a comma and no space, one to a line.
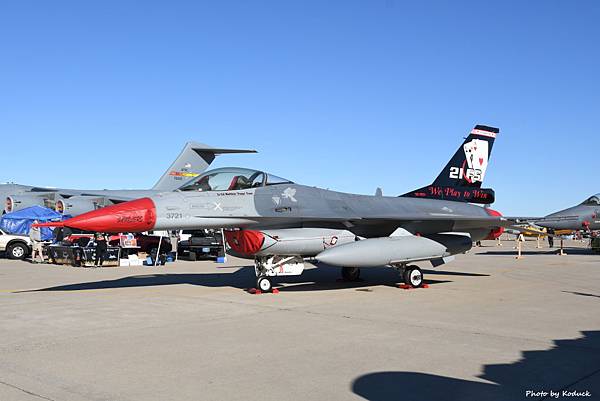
264,284
350,273
413,276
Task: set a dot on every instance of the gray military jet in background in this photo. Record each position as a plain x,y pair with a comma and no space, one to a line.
191,162
585,216
282,224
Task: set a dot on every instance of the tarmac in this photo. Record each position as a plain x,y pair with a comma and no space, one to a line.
489,327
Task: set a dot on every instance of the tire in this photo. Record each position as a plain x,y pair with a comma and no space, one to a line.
17,250
264,284
413,276
350,273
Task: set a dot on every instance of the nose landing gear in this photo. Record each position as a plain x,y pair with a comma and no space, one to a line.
264,284
267,267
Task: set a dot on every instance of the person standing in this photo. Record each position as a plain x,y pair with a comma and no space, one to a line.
520,239
101,247
550,238
35,235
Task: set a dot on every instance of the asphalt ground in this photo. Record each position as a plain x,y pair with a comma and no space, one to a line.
489,327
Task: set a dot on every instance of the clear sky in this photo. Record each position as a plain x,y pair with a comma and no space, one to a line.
347,95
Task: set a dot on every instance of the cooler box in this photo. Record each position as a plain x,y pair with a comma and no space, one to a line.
134,260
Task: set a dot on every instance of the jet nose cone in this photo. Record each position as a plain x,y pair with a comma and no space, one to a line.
133,216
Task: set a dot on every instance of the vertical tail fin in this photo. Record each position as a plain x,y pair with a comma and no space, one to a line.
191,162
468,165
462,177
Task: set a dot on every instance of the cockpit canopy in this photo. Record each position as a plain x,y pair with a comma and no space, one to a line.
592,201
232,178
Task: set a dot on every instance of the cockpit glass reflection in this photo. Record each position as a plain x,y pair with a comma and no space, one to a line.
232,178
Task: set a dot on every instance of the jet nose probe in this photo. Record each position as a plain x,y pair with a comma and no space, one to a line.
133,216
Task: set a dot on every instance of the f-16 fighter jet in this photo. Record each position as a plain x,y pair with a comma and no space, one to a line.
282,224
193,160
585,216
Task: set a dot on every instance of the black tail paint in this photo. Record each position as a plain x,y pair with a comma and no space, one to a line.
462,177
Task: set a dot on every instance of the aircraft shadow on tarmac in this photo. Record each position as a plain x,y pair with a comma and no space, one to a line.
583,294
321,279
570,365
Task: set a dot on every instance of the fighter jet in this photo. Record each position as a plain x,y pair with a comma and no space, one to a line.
192,161
283,224
585,216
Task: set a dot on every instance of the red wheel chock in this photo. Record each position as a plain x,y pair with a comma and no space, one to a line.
256,291
410,287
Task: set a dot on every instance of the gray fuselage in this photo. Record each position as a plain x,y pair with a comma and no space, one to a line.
578,217
293,205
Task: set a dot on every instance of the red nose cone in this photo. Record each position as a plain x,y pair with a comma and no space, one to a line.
498,231
133,216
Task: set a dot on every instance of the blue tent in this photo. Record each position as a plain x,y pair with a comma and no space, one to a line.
19,222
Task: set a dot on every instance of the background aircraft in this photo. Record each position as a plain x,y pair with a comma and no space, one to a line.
582,217
282,223
193,160
585,216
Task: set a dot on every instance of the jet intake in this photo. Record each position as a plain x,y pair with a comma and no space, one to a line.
373,252
18,202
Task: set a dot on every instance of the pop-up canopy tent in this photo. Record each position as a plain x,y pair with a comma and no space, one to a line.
20,222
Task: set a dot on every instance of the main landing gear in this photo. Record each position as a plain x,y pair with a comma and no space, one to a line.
412,275
268,267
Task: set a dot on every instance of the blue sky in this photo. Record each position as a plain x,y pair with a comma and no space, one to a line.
347,95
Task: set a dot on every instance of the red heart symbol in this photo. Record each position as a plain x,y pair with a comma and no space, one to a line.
481,161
